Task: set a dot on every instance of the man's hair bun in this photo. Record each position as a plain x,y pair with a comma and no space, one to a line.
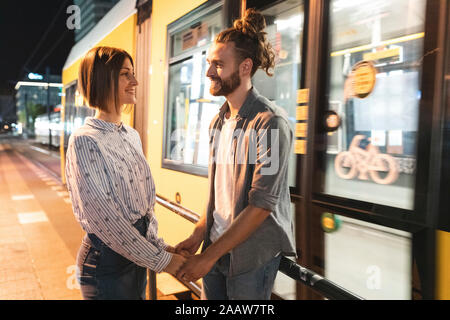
252,23
250,41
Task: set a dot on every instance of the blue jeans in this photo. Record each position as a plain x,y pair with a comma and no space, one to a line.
253,285
104,274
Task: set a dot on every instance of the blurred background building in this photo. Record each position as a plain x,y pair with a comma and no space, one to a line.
34,95
92,11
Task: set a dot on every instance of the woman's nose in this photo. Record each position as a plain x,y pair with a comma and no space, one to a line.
134,81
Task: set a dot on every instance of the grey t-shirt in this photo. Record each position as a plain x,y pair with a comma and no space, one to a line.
223,180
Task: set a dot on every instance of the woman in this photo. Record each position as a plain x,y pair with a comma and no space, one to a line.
111,186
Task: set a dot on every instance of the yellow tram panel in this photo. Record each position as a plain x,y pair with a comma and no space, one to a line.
443,265
193,189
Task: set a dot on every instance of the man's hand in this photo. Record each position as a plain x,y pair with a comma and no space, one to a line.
170,249
196,267
191,244
184,253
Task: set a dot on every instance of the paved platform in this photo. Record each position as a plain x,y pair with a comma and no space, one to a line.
39,236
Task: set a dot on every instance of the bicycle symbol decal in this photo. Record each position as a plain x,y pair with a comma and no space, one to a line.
382,168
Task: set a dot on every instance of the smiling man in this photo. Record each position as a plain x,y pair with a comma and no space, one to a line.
248,225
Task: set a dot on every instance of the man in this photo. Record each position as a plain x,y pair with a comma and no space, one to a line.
247,225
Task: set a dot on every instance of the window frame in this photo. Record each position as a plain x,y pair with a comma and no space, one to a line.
173,28
420,215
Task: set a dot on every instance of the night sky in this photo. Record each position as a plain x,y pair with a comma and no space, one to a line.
22,27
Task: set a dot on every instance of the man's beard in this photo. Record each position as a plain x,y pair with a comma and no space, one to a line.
227,86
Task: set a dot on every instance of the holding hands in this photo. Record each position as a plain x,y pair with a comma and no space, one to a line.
195,267
176,262
186,265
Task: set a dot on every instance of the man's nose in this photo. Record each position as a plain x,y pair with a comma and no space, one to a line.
211,72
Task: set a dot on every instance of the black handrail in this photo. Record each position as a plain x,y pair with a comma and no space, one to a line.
309,278
325,287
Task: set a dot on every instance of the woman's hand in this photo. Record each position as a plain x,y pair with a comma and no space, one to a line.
175,264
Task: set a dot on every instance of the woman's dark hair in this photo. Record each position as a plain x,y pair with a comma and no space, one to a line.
250,41
98,76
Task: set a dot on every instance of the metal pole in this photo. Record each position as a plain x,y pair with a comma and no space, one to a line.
47,73
26,116
151,286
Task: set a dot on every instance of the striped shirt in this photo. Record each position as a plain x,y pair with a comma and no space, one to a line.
111,187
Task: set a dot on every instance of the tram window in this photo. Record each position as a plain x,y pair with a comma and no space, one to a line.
74,111
195,33
374,87
190,107
285,32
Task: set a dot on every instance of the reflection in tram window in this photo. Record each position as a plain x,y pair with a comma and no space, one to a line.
285,32
42,126
190,107
380,258
74,111
374,86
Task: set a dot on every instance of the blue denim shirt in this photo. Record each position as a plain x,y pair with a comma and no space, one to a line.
262,144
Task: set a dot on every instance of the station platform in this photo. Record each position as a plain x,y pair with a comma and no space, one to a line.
39,236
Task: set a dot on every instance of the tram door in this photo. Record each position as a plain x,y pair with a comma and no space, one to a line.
365,214
285,30
354,78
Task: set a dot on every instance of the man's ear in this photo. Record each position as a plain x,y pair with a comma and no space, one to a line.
246,67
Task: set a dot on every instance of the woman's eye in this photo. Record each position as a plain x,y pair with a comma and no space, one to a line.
128,75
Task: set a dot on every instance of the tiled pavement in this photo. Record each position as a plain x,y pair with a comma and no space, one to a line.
39,237
35,262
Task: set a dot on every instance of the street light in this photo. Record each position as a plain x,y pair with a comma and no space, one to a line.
35,76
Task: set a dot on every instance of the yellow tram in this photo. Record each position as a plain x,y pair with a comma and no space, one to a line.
366,85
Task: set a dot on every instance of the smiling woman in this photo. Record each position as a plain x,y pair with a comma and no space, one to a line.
102,71
111,186
127,83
